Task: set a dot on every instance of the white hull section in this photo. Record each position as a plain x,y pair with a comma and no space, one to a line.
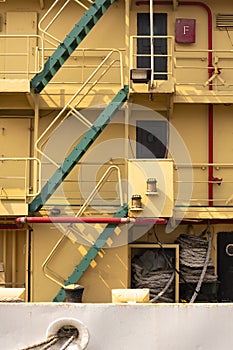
121,326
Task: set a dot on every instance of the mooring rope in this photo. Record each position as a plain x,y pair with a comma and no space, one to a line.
198,287
46,344
69,341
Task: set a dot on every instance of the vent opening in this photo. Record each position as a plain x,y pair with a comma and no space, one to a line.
224,21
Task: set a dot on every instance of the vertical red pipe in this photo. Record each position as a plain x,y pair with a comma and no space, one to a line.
211,153
210,106
210,71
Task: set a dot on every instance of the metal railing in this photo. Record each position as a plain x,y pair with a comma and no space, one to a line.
84,61
21,55
189,189
222,184
31,51
24,55
26,62
73,230
201,68
167,57
50,18
15,179
202,73
77,98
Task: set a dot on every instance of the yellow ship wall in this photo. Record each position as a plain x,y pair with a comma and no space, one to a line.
183,101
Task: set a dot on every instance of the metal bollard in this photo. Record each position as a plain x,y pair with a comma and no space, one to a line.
74,293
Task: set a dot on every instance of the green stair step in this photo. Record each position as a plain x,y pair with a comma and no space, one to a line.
72,40
79,150
91,254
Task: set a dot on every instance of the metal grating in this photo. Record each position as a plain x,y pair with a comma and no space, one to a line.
224,21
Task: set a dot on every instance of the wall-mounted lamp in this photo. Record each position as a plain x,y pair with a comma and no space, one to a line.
151,186
140,75
136,201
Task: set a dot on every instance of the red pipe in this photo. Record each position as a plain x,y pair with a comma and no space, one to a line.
210,153
46,220
210,72
93,220
56,219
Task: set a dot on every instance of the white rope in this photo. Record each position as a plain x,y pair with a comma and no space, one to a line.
47,342
69,341
198,287
52,342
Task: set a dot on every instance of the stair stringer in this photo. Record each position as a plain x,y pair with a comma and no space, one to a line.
71,42
79,150
91,254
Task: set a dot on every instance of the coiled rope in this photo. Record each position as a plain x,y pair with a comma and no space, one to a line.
164,290
194,256
196,265
151,270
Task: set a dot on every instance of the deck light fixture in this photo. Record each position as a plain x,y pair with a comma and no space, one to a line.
136,201
151,185
140,75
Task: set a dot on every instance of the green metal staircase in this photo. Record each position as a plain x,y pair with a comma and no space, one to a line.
67,47
91,254
79,150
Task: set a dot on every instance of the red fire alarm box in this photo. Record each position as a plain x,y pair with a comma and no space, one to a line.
185,30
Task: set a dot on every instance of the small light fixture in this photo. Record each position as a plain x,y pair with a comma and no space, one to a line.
151,186
140,75
136,201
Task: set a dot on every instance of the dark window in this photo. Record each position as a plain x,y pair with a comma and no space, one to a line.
152,138
160,44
